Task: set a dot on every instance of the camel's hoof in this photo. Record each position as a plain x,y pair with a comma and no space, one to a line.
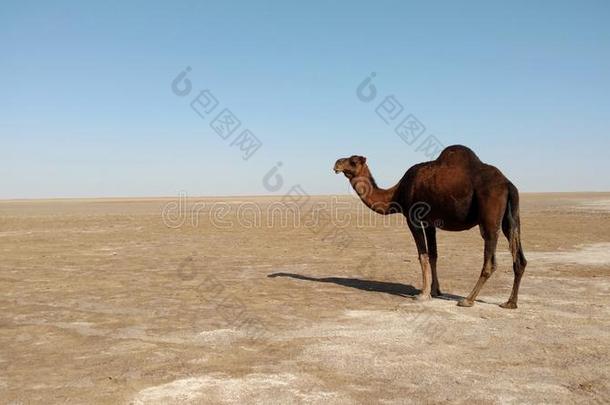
509,305
422,297
437,293
465,303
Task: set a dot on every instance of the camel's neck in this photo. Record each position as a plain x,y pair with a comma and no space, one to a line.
378,199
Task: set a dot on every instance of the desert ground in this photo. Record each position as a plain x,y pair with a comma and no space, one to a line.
236,300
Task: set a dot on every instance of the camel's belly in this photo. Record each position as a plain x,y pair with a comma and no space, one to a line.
454,226
450,213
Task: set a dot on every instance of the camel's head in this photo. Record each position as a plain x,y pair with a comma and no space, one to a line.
351,166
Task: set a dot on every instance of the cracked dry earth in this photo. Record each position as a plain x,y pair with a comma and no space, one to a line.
102,302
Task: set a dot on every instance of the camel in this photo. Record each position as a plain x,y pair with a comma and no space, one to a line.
455,192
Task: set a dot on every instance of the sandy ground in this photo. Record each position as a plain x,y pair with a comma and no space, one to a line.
110,301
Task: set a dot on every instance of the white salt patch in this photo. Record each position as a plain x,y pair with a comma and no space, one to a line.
187,389
597,254
221,335
220,388
596,205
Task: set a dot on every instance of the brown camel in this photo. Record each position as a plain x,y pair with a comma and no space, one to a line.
454,193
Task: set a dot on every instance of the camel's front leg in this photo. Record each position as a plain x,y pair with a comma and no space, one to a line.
424,261
426,271
433,256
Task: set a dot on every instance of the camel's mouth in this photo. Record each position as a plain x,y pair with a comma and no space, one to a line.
338,167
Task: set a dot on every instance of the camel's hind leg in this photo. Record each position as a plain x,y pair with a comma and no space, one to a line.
510,228
489,266
492,206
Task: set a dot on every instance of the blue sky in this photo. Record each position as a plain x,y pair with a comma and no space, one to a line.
88,110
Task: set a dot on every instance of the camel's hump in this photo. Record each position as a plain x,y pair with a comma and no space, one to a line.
457,153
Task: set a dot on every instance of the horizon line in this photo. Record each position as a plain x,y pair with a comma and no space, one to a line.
166,197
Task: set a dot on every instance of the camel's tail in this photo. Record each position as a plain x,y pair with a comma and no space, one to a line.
511,225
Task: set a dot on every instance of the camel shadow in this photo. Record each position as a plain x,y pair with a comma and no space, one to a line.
402,290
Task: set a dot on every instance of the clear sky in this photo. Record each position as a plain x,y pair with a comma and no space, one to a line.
87,107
